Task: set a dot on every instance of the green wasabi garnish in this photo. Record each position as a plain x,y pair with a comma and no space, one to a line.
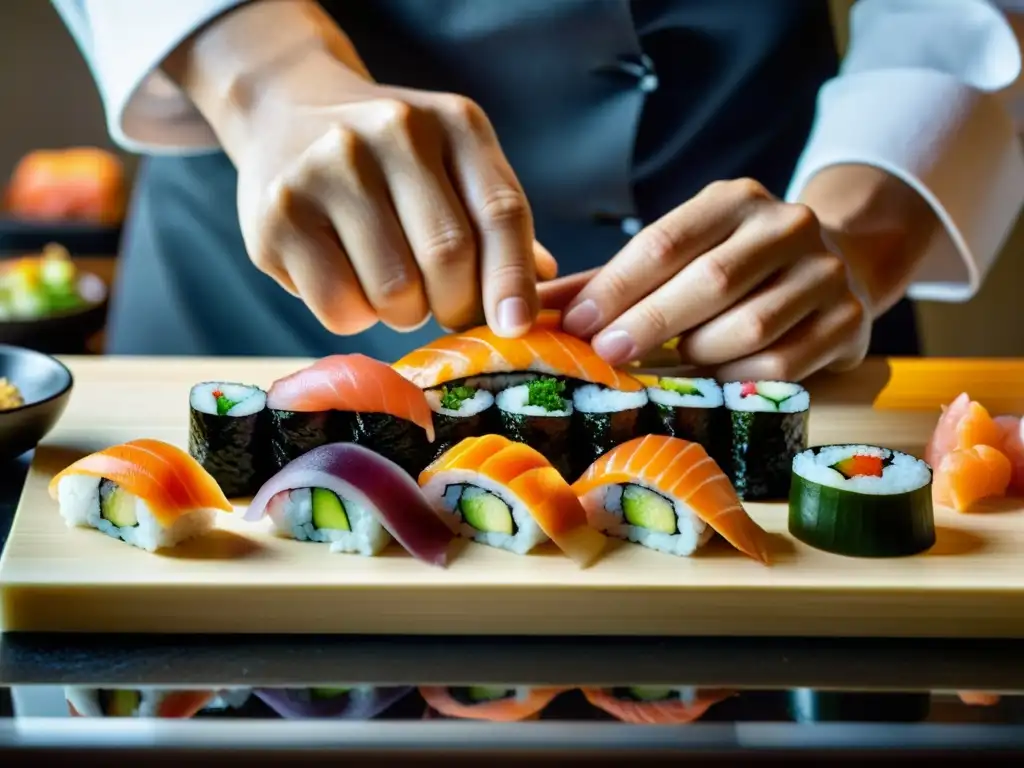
680,386
546,393
224,404
452,399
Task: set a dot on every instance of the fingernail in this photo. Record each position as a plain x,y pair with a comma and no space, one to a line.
581,319
513,315
615,347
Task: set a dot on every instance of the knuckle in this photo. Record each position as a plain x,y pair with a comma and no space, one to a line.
833,269
391,285
460,109
747,190
775,367
796,220
654,321
345,144
755,329
657,245
509,275
715,276
852,312
446,247
504,206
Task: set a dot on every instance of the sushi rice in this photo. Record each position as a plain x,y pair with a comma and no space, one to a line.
246,400
792,398
593,398
292,514
905,473
708,394
461,486
78,496
606,513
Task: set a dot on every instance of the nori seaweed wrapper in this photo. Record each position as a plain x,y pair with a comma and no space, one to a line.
707,426
399,440
594,434
293,433
763,446
233,449
451,430
549,435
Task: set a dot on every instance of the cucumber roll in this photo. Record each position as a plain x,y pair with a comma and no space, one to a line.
536,413
692,409
602,419
862,501
227,434
459,412
768,426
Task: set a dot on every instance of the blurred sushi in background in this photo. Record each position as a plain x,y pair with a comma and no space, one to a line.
361,702
495,703
656,705
34,287
136,702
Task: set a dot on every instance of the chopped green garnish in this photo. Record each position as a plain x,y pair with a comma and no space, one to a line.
546,393
224,404
452,399
680,386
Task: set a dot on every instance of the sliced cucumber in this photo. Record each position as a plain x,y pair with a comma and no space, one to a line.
486,512
777,391
117,506
647,509
329,511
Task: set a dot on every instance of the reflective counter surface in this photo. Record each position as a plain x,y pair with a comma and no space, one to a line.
287,700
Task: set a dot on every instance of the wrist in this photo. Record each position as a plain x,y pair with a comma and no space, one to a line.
259,55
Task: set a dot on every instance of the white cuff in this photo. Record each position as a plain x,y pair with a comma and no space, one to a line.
145,111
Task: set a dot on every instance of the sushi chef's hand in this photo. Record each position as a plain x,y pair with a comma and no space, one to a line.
367,202
746,281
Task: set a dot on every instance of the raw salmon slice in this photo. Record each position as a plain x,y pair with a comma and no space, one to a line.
964,423
968,475
473,702
354,383
678,708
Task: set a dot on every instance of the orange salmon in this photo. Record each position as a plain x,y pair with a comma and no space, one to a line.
96,702
545,349
640,706
489,486
644,486
496,704
968,475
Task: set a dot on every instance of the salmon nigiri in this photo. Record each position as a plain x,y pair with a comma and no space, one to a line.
667,494
496,704
656,706
147,492
479,352
132,702
968,475
507,495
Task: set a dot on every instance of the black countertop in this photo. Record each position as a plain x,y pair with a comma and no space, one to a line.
299,699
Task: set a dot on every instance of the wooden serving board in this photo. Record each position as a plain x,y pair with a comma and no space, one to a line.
245,579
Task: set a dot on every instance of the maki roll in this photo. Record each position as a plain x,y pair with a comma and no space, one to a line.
655,706
148,493
668,495
361,702
691,409
136,702
602,419
497,704
459,412
351,398
354,500
505,494
768,424
227,434
538,414
862,501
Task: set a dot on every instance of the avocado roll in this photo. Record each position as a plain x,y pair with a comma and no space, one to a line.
862,501
768,421
459,412
228,434
602,419
691,409
536,413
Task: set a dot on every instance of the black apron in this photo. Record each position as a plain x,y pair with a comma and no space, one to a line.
611,112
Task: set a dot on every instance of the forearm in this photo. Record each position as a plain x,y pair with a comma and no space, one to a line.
882,227
257,52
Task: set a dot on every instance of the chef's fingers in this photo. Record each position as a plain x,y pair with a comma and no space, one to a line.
299,247
827,337
497,207
343,174
544,262
659,251
764,316
556,294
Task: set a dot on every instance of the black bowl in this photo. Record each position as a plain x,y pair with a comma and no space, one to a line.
63,333
45,384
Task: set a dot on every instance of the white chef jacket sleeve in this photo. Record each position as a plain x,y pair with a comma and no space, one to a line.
929,92
124,42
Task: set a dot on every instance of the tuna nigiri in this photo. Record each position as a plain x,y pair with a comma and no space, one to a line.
146,492
350,398
506,494
497,704
361,702
968,475
655,706
355,500
133,702
544,349
667,494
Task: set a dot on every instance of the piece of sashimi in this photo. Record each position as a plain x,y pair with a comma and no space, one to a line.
976,427
499,711
968,475
672,712
373,481
1013,448
944,438
167,478
682,470
354,383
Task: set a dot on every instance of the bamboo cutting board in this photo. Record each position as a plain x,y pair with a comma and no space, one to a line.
244,579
